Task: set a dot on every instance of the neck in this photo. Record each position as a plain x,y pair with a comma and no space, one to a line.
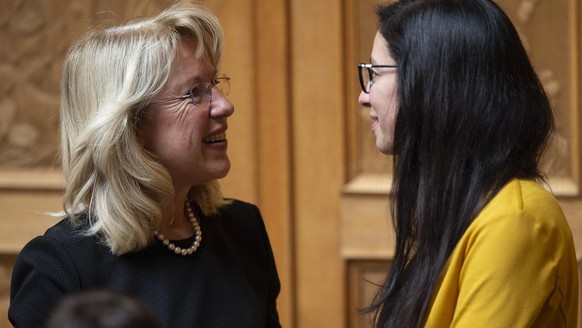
176,225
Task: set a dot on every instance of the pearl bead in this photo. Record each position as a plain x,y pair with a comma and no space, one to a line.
197,239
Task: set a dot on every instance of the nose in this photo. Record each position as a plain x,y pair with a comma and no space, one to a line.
364,99
220,106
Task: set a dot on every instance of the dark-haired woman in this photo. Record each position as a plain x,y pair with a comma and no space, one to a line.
479,242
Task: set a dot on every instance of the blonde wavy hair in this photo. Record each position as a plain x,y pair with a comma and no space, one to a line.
109,78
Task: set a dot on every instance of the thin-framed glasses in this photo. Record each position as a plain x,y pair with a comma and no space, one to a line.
201,93
367,75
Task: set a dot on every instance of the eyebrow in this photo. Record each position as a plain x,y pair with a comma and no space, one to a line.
193,79
197,78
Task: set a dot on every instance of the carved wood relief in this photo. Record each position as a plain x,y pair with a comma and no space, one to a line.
29,93
548,31
36,35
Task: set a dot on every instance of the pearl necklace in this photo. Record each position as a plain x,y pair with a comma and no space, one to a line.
197,239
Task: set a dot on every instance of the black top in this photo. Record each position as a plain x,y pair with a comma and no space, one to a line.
230,281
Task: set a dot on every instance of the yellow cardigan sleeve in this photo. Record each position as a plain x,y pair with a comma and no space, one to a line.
514,267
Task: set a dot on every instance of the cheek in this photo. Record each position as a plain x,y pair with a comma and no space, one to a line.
171,125
156,136
385,104
387,114
145,134
391,103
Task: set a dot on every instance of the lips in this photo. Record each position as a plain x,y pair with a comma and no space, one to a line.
374,123
215,138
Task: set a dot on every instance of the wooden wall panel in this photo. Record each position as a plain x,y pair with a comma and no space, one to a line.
360,24
272,81
549,33
6,264
317,137
364,276
238,62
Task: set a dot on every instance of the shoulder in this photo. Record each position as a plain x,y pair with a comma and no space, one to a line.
61,232
64,232
241,219
61,242
517,253
237,205
240,211
523,212
526,199
48,267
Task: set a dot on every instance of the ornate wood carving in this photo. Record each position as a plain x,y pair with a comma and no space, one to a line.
39,34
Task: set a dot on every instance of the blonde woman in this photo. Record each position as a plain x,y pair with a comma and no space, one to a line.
143,121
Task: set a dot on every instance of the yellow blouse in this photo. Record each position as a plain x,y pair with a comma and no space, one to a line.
515,266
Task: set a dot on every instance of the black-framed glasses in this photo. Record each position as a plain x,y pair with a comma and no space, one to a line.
367,74
201,93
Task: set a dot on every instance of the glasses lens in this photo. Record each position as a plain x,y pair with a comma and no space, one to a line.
222,83
199,93
365,75
368,77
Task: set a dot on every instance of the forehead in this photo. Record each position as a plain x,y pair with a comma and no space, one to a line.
380,52
187,60
188,69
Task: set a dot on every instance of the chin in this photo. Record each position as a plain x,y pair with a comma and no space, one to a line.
222,170
386,149
217,170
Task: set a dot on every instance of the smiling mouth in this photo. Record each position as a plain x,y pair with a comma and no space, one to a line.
215,138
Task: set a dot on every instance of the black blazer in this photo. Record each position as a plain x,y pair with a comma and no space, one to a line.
230,281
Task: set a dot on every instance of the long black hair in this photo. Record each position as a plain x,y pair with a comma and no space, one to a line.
472,116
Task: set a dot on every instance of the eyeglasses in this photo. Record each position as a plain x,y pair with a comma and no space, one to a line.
201,93
367,77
